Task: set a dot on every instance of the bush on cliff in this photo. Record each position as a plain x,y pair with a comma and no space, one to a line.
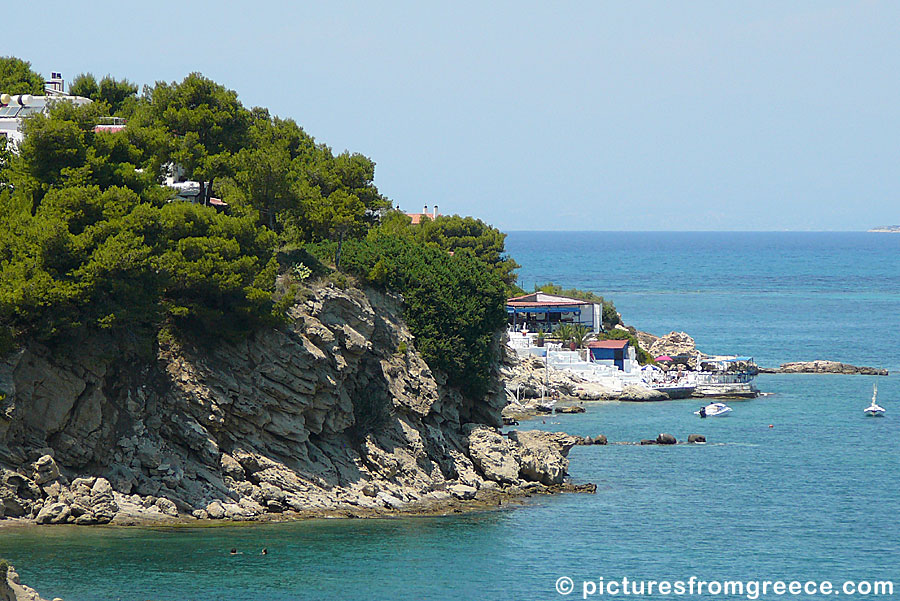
454,304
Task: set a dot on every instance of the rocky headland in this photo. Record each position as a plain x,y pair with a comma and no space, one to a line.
11,589
823,367
334,414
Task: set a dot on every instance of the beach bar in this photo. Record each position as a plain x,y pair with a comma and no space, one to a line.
539,311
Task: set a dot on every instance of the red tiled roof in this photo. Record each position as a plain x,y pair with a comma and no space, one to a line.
613,344
417,217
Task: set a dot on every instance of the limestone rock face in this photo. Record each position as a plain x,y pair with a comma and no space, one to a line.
673,343
280,421
543,455
492,454
11,589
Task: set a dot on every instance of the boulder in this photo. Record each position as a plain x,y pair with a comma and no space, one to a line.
231,467
570,409
646,441
215,510
463,492
542,455
672,344
102,501
600,439
492,455
666,439
634,392
167,507
45,470
692,438
54,513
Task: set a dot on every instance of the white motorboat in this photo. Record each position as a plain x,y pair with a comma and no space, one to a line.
874,409
714,410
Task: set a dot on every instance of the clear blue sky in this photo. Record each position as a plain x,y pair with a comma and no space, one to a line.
552,115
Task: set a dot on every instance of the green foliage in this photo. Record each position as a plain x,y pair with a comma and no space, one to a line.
4,569
197,124
61,149
114,93
402,347
16,77
7,342
564,333
643,356
105,259
580,334
458,235
91,242
454,305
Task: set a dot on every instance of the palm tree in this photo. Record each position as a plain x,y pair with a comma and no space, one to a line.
565,332
580,335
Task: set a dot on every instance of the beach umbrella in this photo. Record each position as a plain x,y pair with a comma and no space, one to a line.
663,358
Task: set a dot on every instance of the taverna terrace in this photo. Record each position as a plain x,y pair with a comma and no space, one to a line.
534,318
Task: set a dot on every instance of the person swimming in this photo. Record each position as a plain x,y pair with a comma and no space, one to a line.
233,551
264,551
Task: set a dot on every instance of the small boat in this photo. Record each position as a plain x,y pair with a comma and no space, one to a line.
874,409
714,410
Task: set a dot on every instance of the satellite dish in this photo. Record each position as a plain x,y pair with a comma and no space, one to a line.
5,99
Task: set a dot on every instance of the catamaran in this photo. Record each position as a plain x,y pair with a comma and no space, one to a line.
874,410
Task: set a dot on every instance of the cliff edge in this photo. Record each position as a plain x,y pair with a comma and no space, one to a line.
335,411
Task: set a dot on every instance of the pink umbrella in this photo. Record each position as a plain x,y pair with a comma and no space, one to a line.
663,358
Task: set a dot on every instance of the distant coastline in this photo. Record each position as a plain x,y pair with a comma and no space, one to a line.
886,229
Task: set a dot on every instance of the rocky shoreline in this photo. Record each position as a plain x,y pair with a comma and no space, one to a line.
323,417
823,367
11,589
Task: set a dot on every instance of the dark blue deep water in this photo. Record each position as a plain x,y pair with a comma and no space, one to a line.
816,496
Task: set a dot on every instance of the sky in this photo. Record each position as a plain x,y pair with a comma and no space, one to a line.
545,115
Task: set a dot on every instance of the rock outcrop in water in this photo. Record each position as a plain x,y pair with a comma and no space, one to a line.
824,367
326,414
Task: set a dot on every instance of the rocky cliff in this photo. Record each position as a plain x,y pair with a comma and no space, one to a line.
335,411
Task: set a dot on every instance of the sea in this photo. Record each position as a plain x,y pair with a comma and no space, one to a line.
796,485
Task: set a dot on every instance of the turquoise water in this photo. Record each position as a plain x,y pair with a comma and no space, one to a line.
778,296
787,502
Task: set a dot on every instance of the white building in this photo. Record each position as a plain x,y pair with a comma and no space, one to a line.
14,108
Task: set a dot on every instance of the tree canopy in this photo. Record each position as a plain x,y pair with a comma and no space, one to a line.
108,90
93,240
16,77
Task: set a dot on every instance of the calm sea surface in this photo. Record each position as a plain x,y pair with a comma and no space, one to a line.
814,497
